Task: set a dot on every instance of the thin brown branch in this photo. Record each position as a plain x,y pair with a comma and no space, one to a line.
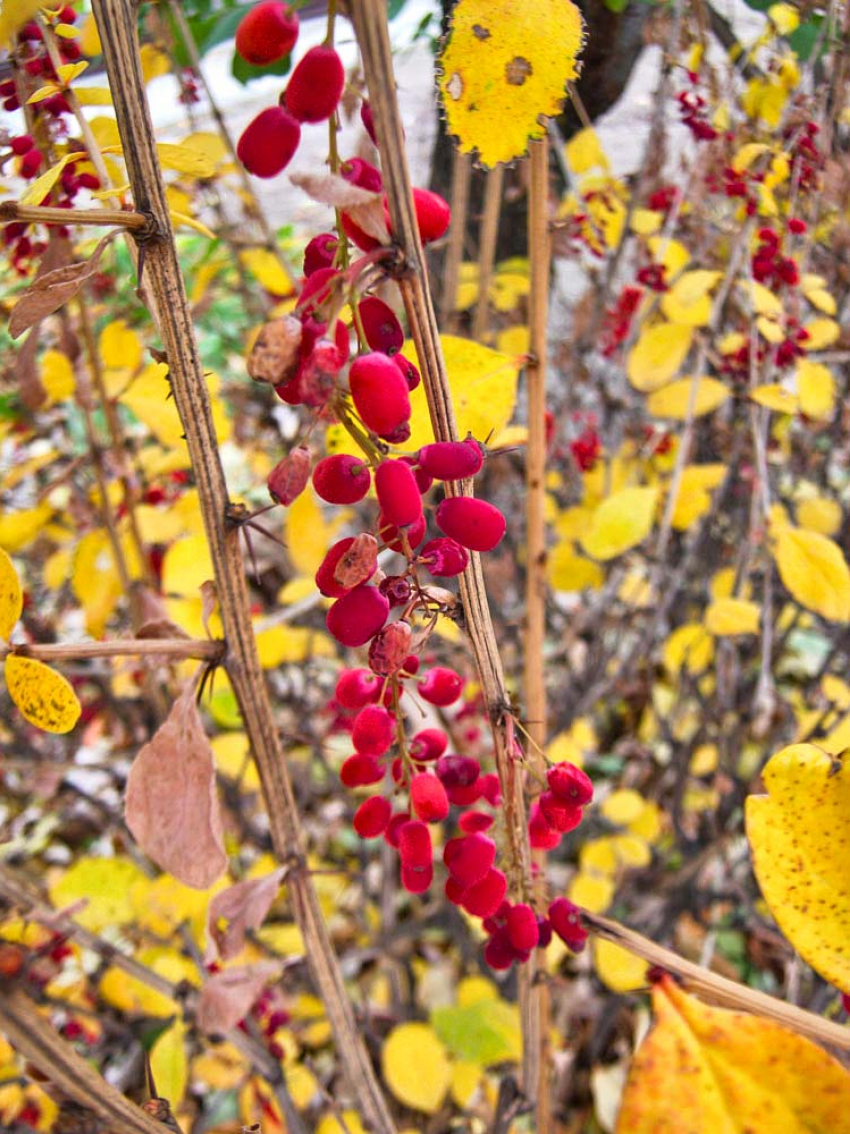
718,989
461,179
116,21
177,649
487,248
45,214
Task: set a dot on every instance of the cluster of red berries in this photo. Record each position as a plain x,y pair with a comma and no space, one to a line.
586,449
619,319
769,266
693,112
805,155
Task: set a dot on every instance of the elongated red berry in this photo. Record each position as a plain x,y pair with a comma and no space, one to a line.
392,536
289,477
269,142
363,174
484,897
414,844
410,372
358,616
567,781
468,859
341,478
373,730
541,835
522,927
432,214
428,798
475,524
441,686
561,814
316,84
398,493
565,919
472,822
379,392
391,835
325,580
451,460
320,252
444,557
499,953
361,769
356,688
267,33
372,816
417,879
380,325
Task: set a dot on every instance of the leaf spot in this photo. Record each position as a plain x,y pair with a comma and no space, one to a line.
517,70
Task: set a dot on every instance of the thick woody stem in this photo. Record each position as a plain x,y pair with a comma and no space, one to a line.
116,21
45,214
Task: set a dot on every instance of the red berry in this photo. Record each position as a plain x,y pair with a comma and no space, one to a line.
499,953
565,919
267,33
315,88
398,493
457,771
428,745
391,835
373,730
325,580
451,460
417,879
364,175
474,822
428,798
391,535
31,163
569,782
432,214
320,252
522,927
289,477
269,142
360,770
356,688
444,557
485,896
368,120
411,374
372,816
380,325
22,144
397,589
341,478
473,523
560,814
541,835
358,616
441,686
469,859
379,392
414,844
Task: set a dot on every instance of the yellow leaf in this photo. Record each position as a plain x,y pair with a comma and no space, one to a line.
57,375
267,270
483,384
747,154
584,152
657,356
186,566
43,696
185,159
618,969
503,69
674,400
306,533
154,63
671,254
168,1063
814,570
688,300
621,522
688,645
348,1123
89,38
729,1072
282,645
571,572
69,71
730,616
105,885
816,390
13,13
591,891
39,189
819,514
763,301
822,299
798,836
775,397
646,221
137,997
416,1067
184,220
622,806
11,596
822,333
784,17
148,398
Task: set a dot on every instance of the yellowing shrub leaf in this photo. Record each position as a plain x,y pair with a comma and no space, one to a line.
416,1067
617,968
814,570
729,1071
11,596
42,695
503,69
775,397
658,355
816,390
168,1063
621,522
730,616
673,400
799,835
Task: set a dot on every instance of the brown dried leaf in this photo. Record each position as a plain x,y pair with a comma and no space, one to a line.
161,628
228,996
236,910
330,189
275,354
372,219
50,291
358,563
172,807
26,374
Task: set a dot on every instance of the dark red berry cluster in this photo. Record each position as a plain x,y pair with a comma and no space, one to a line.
769,265
693,111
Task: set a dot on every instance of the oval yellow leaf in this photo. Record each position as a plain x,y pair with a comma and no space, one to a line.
775,397
658,355
822,333
815,572
729,1072
816,390
730,616
819,514
168,1064
618,969
416,1067
11,596
621,522
674,400
504,68
42,695
799,833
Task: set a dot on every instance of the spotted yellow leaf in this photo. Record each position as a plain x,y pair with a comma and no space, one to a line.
799,833
11,597
503,69
729,1071
43,696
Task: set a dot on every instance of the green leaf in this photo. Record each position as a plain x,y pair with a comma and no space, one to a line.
804,38
245,72
485,1032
